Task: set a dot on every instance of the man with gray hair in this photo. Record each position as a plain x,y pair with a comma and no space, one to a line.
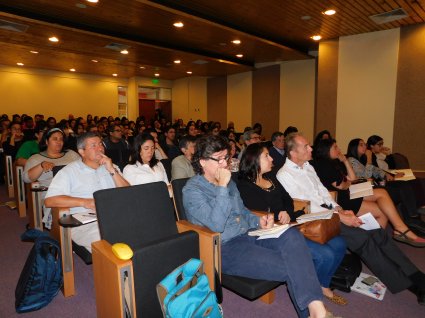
74,185
277,151
249,137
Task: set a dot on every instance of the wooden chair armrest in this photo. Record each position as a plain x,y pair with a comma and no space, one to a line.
209,248
334,195
57,213
113,280
300,204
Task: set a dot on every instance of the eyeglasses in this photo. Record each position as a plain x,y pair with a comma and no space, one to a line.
118,130
219,160
255,138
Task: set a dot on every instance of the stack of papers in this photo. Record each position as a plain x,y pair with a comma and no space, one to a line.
408,174
376,290
324,215
275,232
369,222
85,217
360,190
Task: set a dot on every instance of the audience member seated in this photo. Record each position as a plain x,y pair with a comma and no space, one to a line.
75,184
381,157
375,247
249,137
181,167
14,138
277,151
159,152
30,146
267,194
39,166
211,199
144,167
169,143
116,147
400,191
336,173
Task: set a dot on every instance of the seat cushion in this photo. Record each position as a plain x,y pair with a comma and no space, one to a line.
247,287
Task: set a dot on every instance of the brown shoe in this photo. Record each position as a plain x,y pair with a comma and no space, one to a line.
336,299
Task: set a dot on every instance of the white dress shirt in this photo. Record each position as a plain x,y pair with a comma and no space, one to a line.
142,173
303,183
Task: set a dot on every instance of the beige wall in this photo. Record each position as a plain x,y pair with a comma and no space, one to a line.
297,93
189,98
239,100
57,94
367,76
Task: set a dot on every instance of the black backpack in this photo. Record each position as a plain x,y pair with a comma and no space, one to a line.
41,277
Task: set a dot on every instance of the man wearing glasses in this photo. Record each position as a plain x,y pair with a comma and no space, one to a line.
74,185
116,147
249,137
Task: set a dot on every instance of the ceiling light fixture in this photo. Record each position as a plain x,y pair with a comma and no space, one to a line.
236,41
142,67
34,52
72,70
329,12
20,64
53,39
189,72
177,61
93,1
115,74
178,24
157,74
239,55
124,52
316,37
94,61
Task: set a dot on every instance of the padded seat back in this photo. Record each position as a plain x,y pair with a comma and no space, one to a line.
178,185
136,214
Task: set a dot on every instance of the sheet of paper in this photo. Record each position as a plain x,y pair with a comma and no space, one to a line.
360,190
274,232
369,222
85,217
323,215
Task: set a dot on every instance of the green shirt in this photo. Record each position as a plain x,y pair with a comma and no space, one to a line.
28,149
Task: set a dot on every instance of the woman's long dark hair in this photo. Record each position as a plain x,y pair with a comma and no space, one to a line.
352,151
138,143
322,149
250,167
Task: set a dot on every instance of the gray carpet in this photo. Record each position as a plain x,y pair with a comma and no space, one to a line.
14,253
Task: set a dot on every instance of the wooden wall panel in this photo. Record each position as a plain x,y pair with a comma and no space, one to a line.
265,98
217,100
409,123
327,87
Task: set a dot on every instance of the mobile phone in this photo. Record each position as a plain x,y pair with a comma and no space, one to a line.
370,280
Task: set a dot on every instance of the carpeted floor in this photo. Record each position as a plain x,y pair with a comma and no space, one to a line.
13,254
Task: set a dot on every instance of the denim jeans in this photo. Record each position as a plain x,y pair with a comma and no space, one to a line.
327,257
285,259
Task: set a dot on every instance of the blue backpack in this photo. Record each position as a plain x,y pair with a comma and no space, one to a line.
41,278
186,293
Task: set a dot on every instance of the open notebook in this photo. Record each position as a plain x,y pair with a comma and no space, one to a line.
85,217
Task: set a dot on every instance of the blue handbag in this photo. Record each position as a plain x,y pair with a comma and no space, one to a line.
185,293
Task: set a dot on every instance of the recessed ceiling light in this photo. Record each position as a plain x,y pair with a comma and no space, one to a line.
156,74
142,67
115,74
316,37
34,52
124,52
329,12
239,55
189,72
72,69
93,1
177,61
94,61
53,39
236,41
178,24
20,64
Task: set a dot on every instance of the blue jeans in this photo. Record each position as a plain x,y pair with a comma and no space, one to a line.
327,257
285,259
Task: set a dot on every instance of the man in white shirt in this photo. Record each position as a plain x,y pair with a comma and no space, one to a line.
375,248
74,185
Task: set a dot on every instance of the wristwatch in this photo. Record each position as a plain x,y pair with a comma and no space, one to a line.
114,172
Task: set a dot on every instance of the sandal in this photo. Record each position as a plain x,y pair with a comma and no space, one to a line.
337,299
402,237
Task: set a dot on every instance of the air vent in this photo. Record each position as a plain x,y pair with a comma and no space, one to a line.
12,26
117,47
200,62
389,16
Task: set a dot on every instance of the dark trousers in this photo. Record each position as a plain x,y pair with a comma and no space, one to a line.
379,252
285,259
401,192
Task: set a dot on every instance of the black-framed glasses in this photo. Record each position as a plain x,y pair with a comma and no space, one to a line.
219,160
